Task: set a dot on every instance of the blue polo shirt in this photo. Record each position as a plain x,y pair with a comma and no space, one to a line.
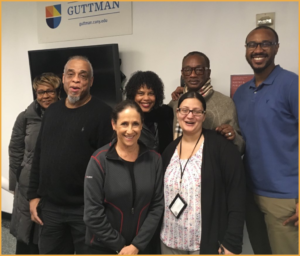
268,118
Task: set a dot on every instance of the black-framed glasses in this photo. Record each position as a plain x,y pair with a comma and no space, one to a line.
264,45
187,71
48,92
195,112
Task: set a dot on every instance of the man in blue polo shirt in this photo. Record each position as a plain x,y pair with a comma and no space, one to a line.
267,108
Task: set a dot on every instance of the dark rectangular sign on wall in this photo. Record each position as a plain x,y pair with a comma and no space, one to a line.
236,81
104,59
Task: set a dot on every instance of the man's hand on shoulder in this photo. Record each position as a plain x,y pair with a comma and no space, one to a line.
33,203
227,131
176,94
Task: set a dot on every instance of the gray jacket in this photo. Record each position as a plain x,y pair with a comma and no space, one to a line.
21,151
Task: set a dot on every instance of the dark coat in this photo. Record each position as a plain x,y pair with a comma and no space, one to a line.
223,193
21,151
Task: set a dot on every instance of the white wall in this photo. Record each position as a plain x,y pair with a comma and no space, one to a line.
163,32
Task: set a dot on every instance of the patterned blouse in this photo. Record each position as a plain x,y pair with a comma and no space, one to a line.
183,233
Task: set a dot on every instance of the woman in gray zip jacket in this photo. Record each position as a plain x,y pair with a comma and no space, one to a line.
21,150
123,189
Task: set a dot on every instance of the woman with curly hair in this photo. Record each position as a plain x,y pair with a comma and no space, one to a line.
147,90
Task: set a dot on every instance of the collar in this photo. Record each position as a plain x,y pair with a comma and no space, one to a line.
38,109
206,90
177,140
112,152
269,80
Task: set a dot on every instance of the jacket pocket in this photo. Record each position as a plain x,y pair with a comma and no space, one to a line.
114,215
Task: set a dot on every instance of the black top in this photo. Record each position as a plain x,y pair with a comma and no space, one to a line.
222,193
130,166
157,132
67,139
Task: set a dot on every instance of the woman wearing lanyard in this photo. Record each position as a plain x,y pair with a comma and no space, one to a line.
204,188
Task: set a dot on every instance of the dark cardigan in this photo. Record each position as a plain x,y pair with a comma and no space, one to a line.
222,193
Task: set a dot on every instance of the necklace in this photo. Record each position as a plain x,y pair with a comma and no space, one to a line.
182,171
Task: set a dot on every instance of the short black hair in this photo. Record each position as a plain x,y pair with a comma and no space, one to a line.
124,105
151,80
190,95
200,54
269,28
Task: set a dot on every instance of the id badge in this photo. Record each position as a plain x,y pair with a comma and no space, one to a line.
177,206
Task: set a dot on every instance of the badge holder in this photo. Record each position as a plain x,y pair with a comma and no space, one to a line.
177,206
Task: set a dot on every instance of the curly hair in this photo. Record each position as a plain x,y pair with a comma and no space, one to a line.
151,80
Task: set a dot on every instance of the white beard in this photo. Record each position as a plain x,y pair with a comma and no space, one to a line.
73,99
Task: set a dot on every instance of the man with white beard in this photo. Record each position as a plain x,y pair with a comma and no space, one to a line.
72,129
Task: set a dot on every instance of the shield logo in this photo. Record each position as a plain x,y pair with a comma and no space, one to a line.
53,15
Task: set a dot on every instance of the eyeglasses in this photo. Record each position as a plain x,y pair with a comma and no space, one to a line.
187,71
82,76
264,45
49,92
195,112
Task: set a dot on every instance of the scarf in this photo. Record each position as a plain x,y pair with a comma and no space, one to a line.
206,90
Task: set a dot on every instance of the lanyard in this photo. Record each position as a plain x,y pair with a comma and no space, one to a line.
182,171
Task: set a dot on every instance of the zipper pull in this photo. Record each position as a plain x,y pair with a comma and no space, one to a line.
132,210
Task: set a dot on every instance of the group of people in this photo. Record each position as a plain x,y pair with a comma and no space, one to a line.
149,178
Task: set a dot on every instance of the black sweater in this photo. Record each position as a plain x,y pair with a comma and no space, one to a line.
163,118
222,193
67,139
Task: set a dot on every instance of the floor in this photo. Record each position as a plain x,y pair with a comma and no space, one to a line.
8,241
